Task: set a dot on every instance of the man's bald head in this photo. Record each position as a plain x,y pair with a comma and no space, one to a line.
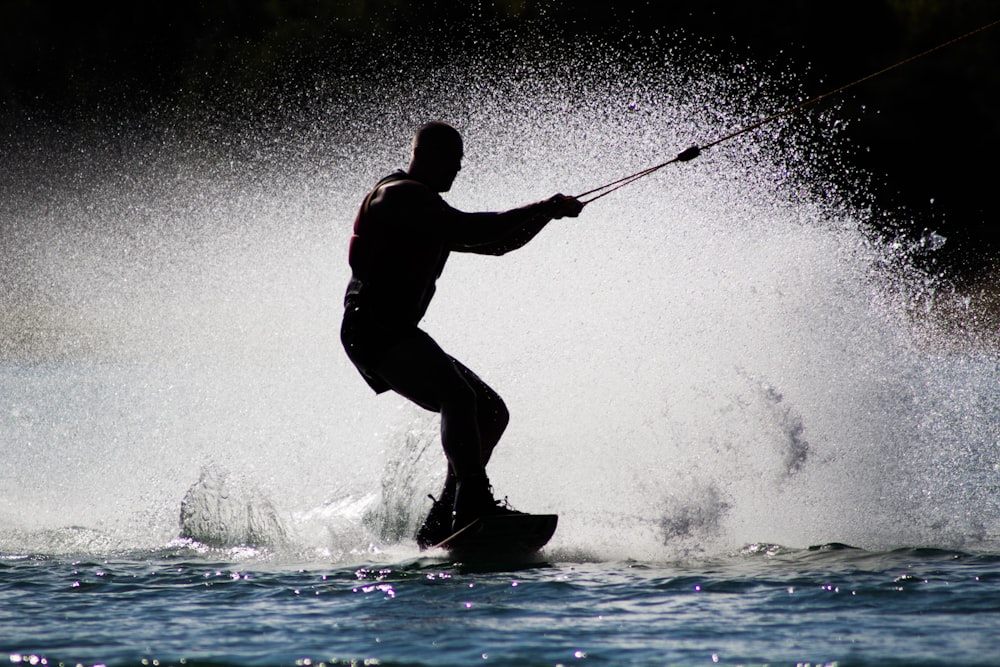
438,137
437,155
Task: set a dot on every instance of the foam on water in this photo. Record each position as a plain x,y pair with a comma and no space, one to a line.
717,355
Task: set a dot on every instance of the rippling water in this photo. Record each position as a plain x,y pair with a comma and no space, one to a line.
764,605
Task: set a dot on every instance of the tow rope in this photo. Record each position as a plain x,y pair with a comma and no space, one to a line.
694,151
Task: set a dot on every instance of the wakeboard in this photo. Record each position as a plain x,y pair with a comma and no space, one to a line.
501,536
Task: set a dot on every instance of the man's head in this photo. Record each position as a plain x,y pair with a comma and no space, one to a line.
437,155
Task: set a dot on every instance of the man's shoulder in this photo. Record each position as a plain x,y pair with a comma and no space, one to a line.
403,185
400,189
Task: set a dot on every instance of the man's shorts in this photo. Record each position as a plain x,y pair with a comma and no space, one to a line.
366,340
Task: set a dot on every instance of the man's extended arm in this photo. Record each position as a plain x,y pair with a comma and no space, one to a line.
482,233
499,233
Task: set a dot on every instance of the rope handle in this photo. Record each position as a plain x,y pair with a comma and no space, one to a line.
684,156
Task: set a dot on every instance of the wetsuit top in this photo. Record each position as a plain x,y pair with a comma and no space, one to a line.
403,234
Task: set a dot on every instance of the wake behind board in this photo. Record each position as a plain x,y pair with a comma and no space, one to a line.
501,536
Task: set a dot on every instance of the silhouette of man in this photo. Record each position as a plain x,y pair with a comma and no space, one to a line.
403,234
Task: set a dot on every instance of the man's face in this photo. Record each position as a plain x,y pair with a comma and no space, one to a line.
451,165
445,165
437,156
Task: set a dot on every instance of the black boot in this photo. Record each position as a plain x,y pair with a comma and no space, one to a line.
437,525
473,499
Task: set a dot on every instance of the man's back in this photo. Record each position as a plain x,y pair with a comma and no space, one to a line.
398,249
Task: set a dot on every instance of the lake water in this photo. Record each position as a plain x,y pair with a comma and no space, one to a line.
763,605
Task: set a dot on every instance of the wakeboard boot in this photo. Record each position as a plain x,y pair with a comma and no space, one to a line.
474,499
437,526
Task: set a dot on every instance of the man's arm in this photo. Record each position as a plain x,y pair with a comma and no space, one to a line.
482,233
499,233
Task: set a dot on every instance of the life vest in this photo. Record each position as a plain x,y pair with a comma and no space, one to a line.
395,261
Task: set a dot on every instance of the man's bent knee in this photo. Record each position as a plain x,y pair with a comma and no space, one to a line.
459,397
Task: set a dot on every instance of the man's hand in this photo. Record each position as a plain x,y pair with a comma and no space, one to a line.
563,206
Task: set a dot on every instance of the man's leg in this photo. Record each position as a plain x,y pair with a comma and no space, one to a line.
492,418
418,369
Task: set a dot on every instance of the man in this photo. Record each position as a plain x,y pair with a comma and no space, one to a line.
403,234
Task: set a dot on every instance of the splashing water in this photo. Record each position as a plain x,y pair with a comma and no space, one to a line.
717,355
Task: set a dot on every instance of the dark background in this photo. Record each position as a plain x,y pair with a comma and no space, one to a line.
929,134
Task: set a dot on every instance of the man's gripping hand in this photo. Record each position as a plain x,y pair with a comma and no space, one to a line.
563,206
